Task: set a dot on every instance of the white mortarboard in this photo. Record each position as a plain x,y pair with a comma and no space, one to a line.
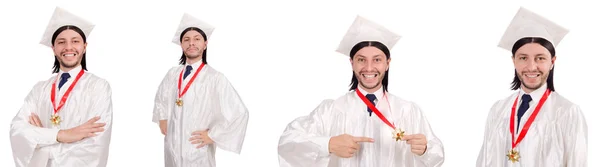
61,18
366,30
188,21
529,24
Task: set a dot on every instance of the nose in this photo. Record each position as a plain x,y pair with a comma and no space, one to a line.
370,65
531,65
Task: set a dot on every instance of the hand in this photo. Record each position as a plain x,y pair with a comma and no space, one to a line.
163,126
418,143
35,120
85,130
346,145
201,137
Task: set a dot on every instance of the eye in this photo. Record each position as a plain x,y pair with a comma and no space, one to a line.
361,59
523,58
541,58
377,59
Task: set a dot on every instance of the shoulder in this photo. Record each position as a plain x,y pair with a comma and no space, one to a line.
402,103
97,83
567,107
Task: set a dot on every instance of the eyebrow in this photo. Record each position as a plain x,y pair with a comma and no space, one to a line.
378,55
522,54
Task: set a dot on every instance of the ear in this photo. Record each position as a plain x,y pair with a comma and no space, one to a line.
84,48
388,63
205,44
553,59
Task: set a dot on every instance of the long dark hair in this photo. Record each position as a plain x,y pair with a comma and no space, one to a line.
516,83
56,66
183,58
378,45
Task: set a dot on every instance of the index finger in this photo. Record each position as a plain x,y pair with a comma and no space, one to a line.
92,120
199,132
363,139
412,137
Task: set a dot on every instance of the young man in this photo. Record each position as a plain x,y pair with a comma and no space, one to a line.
535,126
368,126
196,107
67,119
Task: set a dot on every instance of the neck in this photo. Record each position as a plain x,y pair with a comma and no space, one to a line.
67,69
370,91
194,60
527,90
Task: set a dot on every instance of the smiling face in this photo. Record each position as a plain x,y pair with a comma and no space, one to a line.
533,63
369,65
69,48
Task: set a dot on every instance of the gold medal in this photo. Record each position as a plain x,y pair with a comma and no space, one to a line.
398,134
55,119
179,102
513,155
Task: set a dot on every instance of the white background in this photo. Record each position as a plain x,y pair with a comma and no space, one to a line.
281,59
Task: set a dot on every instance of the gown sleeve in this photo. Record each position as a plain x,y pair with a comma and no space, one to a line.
26,138
94,150
434,155
229,132
163,100
305,141
574,127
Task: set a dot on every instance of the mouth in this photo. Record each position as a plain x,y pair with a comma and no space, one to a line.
531,75
69,55
369,76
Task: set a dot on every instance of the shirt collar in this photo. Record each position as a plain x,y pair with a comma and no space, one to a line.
378,93
537,94
73,72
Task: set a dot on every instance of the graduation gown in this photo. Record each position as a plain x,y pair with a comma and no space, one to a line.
305,141
210,103
38,146
557,137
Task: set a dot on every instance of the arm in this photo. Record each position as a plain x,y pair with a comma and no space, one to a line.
26,138
575,135
483,159
94,150
163,102
305,141
434,153
229,133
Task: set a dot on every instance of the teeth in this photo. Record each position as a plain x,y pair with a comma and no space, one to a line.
369,76
69,55
532,75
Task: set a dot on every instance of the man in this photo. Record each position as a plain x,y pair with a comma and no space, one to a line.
535,126
368,126
196,107
67,119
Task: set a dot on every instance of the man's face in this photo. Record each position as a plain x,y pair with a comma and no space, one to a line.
193,44
369,65
69,48
533,63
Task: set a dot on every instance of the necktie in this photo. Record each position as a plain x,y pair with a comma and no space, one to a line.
188,70
371,98
522,108
63,79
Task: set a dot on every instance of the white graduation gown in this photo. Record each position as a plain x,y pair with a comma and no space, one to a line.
305,141
210,103
35,146
557,137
